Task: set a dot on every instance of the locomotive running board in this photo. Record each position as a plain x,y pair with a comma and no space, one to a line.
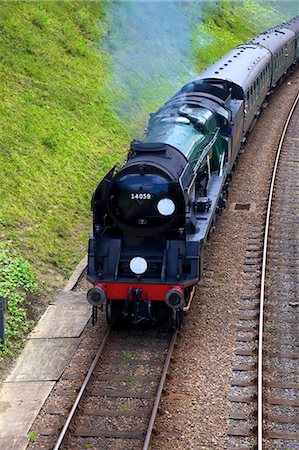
204,219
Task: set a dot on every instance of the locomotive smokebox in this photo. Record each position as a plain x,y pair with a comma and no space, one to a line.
175,298
96,296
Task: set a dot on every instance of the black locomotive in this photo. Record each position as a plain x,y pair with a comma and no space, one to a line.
152,215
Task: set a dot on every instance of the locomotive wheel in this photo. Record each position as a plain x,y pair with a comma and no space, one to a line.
114,310
212,227
108,311
177,318
223,200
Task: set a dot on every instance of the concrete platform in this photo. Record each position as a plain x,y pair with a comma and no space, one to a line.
69,298
14,444
49,348
19,405
43,360
69,320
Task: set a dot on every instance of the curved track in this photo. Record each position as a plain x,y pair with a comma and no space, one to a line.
118,401
278,370
265,384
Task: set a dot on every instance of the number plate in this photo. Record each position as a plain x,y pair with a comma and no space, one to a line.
140,196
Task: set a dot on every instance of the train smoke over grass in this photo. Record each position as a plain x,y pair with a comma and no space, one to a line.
157,46
150,43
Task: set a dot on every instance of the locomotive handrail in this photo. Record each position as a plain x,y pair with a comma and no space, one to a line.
263,278
207,148
204,153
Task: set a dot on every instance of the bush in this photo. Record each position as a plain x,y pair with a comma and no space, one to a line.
17,283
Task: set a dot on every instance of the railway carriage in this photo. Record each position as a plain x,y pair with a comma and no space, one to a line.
280,42
293,25
152,215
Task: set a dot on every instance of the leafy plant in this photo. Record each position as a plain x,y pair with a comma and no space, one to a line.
127,354
123,408
17,283
133,383
32,437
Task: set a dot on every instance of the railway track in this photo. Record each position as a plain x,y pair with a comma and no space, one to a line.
264,387
118,401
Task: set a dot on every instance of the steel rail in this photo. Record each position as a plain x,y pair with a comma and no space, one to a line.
263,277
83,387
159,391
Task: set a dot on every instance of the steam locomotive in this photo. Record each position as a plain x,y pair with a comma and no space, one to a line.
152,215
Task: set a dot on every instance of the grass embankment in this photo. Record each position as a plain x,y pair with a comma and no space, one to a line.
57,138
231,24
57,135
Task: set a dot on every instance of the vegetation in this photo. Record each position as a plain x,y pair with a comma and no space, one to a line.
32,437
127,354
231,24
17,283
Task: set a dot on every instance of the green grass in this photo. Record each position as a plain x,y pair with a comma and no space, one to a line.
123,408
31,437
127,354
57,135
231,24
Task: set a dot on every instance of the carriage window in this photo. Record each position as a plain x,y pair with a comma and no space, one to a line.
247,103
